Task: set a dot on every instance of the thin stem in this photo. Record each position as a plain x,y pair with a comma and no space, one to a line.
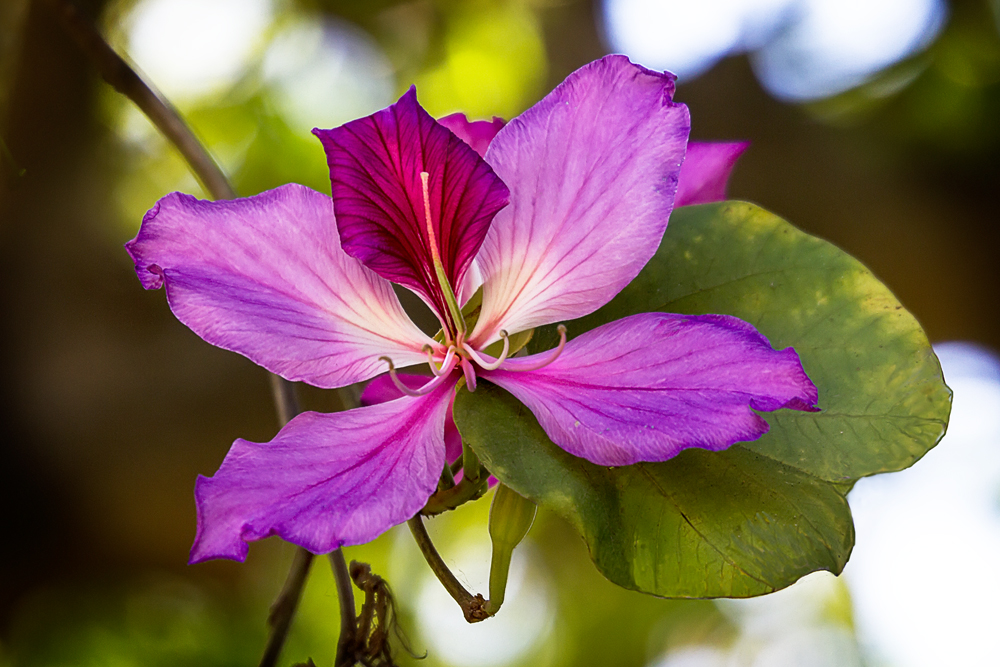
448,499
285,401
283,609
348,617
449,495
447,480
470,464
473,606
168,121
124,79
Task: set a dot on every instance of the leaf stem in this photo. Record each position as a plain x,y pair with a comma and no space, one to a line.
473,606
168,121
448,499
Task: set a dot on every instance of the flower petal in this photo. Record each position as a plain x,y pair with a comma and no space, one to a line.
477,133
706,170
265,277
592,169
375,165
326,480
647,386
382,389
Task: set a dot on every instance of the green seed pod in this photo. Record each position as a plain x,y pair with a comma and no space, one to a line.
511,515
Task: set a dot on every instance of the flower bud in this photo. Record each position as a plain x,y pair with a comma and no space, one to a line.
511,515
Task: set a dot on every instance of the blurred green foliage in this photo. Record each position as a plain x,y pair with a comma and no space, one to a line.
138,605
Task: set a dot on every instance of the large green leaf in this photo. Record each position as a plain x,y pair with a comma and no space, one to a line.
760,515
703,524
884,402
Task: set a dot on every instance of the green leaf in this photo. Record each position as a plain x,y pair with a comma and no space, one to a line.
884,402
703,524
760,515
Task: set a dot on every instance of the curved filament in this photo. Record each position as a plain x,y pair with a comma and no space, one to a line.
435,369
542,363
427,388
490,365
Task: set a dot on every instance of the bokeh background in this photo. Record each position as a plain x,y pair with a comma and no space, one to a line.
874,124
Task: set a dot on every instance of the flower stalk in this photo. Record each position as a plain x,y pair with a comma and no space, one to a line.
473,606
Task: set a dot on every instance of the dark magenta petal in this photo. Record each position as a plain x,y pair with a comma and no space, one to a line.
705,172
650,385
326,480
375,165
476,133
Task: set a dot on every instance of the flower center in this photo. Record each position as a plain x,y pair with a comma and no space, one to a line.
459,353
456,351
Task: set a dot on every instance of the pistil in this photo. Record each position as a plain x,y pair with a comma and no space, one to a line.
449,295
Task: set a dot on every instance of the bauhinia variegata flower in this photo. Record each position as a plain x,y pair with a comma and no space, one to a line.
550,215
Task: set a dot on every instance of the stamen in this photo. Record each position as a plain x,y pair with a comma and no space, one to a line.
470,374
435,369
427,388
556,351
492,365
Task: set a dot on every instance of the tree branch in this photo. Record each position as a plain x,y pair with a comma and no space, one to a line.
348,617
284,606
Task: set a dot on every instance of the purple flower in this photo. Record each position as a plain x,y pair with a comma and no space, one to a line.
566,205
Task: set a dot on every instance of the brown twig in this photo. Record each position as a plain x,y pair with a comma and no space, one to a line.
124,79
284,606
168,121
473,606
348,619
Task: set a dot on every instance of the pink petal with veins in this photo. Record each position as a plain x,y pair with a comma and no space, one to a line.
375,166
265,276
647,386
706,170
592,169
326,480
477,133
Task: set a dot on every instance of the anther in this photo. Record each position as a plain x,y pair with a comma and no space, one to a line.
427,388
542,363
495,364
